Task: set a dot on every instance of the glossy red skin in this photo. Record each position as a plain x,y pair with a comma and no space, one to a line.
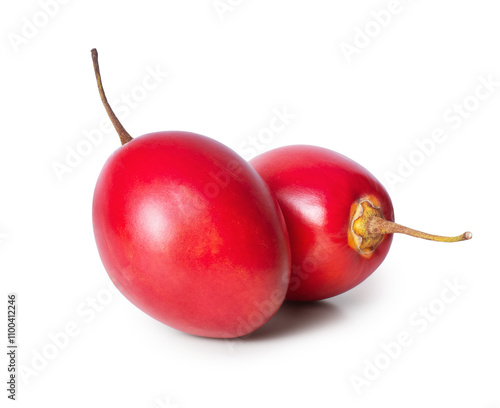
316,188
190,233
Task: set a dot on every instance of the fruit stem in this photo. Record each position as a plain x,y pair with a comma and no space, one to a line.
383,226
124,135
368,228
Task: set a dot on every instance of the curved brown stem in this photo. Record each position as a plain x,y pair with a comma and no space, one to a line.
124,135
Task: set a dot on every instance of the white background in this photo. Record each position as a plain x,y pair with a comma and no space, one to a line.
227,73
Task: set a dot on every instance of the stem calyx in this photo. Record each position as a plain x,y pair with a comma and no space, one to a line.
368,228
